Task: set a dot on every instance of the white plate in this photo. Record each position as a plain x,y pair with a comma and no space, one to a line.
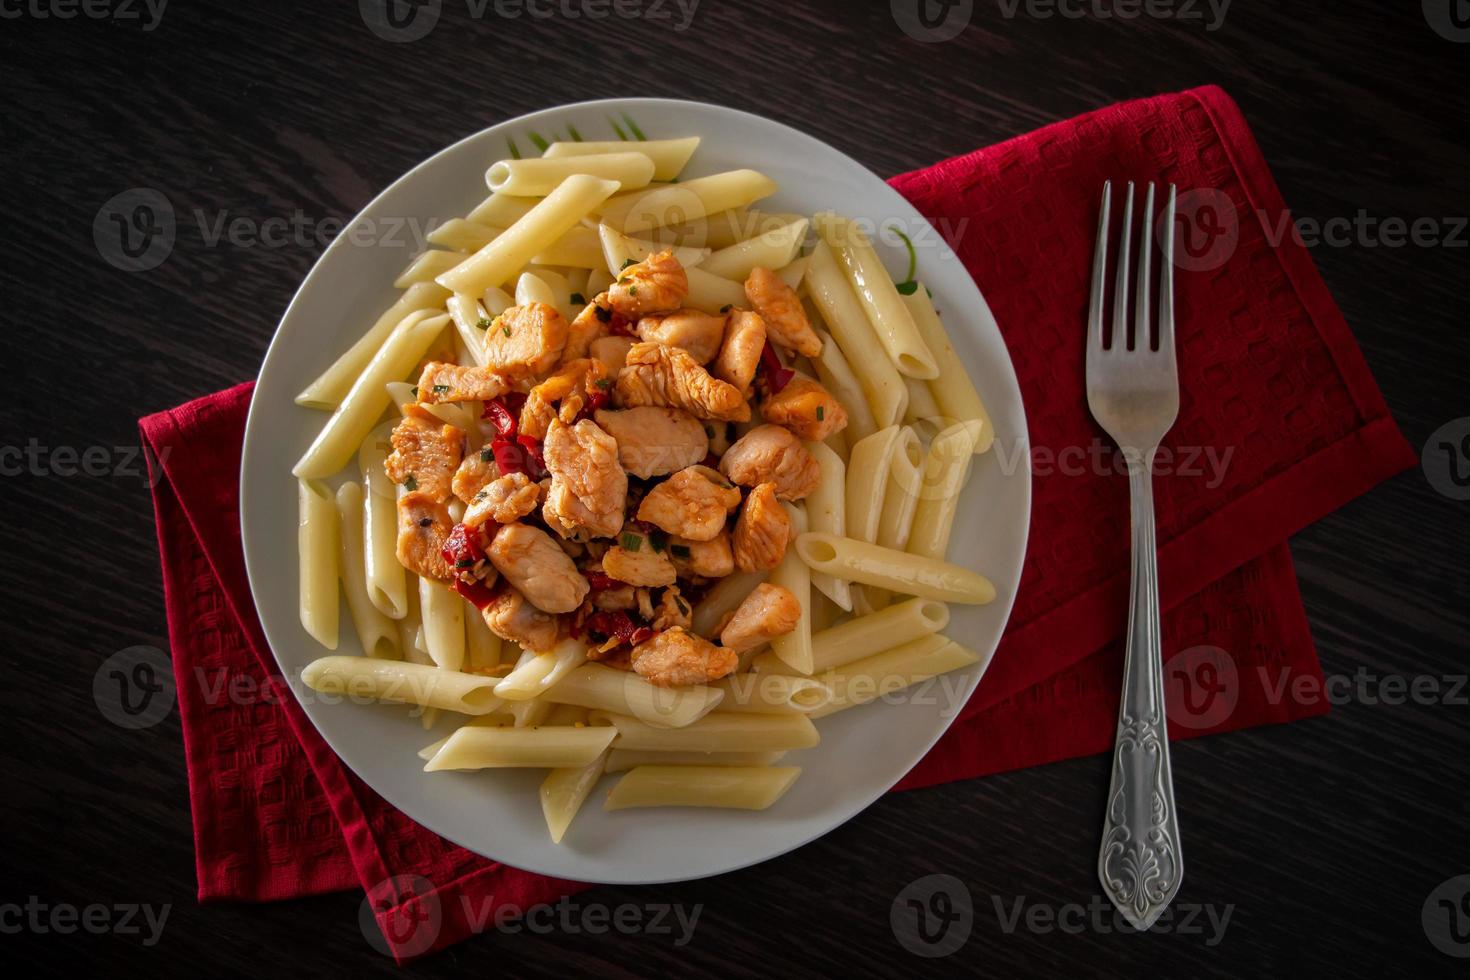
863,751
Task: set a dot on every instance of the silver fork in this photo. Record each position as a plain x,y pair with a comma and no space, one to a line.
1133,391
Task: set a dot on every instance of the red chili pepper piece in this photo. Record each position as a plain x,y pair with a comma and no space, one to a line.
775,374
462,547
601,581
618,625
537,468
621,326
476,593
504,412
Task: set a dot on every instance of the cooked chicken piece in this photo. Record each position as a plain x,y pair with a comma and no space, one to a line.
511,617
768,612
704,559
678,658
642,566
672,611
697,333
615,599
612,352
525,342
771,454
587,327
658,375
503,500
441,382
477,470
740,352
693,503
563,396
786,322
644,596
655,285
654,441
761,531
806,408
588,486
533,563
423,527
426,453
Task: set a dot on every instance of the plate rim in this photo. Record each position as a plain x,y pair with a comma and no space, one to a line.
252,436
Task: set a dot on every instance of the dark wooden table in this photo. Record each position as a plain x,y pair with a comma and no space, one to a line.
1321,840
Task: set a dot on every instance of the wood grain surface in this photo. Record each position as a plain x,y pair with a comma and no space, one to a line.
1323,840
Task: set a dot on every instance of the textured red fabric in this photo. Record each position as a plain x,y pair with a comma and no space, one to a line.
1269,370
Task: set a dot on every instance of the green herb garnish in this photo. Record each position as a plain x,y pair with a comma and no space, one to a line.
679,550
821,411
579,299
463,562
515,151
909,284
603,383
484,323
633,127
626,263
505,330
617,129
659,540
632,290
539,140
631,541
727,307
441,389
603,314
410,483
576,136
486,455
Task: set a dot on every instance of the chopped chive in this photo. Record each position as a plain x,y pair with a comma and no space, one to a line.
410,483
515,151
659,540
626,263
603,314
929,291
821,411
463,562
483,323
906,288
603,383
633,127
539,140
631,541
415,390
727,307
617,129
441,389
505,330
679,550
486,455
576,136
632,290
579,299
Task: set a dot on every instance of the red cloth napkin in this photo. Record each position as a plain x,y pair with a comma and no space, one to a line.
1269,372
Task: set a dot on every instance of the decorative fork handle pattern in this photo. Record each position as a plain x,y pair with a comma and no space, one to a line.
1140,863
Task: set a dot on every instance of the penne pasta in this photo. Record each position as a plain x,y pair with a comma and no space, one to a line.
711,293
896,571
771,693
668,156
953,390
893,670
427,267
538,673
793,272
328,390
922,406
687,200
621,760
890,318
385,576
531,288
946,467
868,468
580,248
619,250
462,235
317,547
826,510
774,249
881,384
481,646
717,732
838,378
902,493
539,176
471,320
563,792
731,787
501,210
551,218
377,633
521,748
863,636
795,647
623,692
529,714
410,628
443,618
365,402
403,683
494,719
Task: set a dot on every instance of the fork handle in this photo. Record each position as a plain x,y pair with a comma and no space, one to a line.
1140,863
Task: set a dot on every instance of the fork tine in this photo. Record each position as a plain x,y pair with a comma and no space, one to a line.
1141,335
1099,270
1121,333
1166,281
